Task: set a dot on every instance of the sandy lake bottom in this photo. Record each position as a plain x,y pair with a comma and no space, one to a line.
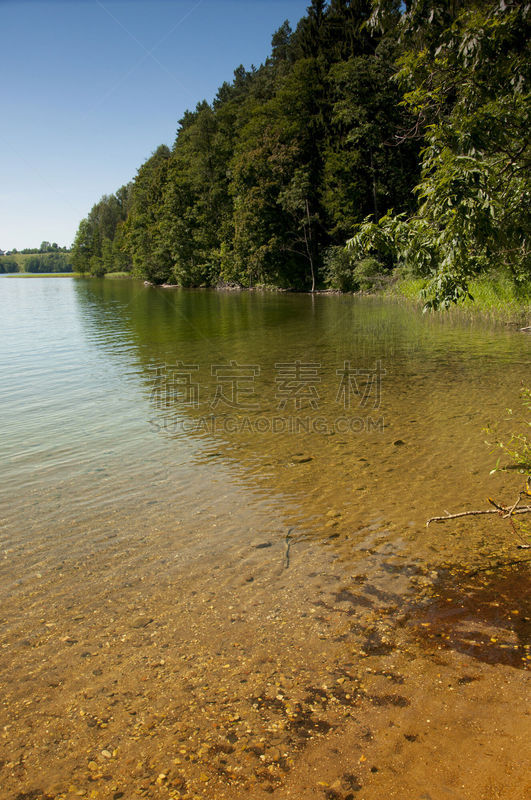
250,613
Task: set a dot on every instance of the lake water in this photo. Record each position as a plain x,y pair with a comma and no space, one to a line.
98,417
162,444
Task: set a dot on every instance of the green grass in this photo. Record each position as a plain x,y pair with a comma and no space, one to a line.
410,288
498,295
494,296
117,275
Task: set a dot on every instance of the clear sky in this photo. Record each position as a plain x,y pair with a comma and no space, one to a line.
89,89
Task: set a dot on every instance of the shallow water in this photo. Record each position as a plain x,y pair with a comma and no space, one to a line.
91,427
265,464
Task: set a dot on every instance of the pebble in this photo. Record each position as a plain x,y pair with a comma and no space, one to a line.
273,754
301,458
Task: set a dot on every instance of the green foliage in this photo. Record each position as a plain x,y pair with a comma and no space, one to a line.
144,226
45,247
279,167
368,274
100,245
338,269
96,266
49,261
464,71
8,265
82,247
396,240
367,170
350,275
195,205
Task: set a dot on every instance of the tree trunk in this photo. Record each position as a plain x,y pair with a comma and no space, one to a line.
308,240
374,201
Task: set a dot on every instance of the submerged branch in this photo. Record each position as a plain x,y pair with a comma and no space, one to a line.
501,511
288,545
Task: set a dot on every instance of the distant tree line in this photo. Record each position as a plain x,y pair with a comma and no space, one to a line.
8,265
45,247
403,131
48,262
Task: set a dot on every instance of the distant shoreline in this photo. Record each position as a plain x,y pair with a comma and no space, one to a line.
43,275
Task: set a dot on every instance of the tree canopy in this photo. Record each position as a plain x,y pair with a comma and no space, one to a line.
464,72
403,131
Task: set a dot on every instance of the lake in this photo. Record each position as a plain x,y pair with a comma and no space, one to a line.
215,563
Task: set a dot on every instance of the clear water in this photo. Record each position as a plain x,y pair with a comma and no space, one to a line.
168,571
92,439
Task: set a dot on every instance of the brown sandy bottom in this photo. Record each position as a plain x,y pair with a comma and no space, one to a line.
318,671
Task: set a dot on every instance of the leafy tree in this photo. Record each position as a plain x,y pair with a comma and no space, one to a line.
103,224
352,110
295,201
143,229
8,265
48,261
281,47
197,207
369,168
465,75
82,247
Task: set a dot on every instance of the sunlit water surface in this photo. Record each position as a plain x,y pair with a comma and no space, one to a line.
215,570
126,407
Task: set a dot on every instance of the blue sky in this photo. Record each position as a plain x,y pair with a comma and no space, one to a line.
89,89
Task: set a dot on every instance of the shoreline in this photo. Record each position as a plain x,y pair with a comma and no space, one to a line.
43,275
486,305
489,303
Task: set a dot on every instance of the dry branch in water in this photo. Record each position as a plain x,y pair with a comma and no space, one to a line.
523,510
505,512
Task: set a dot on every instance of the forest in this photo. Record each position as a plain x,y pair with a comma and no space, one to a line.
48,258
48,262
36,261
378,139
